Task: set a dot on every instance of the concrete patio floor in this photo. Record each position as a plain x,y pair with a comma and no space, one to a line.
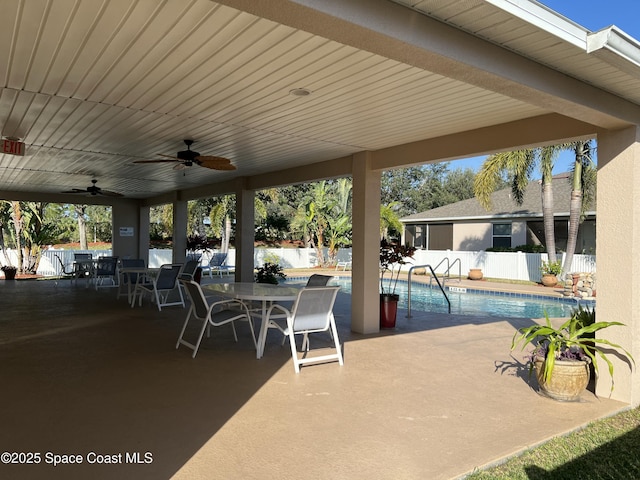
82,373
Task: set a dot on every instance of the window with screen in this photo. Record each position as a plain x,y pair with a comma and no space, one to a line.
501,235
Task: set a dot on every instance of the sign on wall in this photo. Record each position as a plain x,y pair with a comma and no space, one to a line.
126,231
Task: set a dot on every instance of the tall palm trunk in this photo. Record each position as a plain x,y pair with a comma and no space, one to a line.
319,247
548,220
18,226
226,234
575,205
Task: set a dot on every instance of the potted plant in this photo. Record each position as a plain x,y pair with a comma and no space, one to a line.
196,243
9,272
550,272
269,273
392,257
562,356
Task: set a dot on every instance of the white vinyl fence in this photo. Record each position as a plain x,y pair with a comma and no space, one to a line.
504,265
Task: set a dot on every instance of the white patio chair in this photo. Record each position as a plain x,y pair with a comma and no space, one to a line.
317,280
128,280
83,266
160,287
189,269
344,264
216,264
70,273
312,312
211,315
106,269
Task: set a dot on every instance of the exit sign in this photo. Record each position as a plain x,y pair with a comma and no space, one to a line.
12,147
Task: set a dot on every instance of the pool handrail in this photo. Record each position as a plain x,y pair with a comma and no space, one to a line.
433,275
447,274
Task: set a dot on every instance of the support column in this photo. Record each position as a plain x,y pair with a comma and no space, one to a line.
144,236
130,229
618,256
365,294
180,217
245,232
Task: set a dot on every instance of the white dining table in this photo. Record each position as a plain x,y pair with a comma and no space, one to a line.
259,292
142,273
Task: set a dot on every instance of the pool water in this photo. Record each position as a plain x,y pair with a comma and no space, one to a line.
426,299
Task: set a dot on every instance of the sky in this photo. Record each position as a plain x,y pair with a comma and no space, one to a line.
593,15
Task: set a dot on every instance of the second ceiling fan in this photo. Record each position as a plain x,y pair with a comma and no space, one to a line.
187,158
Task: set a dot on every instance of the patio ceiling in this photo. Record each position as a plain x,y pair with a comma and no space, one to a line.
90,87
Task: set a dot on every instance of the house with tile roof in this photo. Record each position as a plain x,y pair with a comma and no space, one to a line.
467,225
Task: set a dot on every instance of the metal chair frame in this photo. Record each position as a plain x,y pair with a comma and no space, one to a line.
312,312
216,314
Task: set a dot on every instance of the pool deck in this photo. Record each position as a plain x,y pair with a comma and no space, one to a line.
438,396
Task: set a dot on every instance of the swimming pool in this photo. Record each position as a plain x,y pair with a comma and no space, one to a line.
470,302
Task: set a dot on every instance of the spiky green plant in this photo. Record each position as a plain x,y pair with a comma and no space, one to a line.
571,341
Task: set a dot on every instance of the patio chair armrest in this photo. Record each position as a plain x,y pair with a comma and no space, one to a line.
228,304
279,307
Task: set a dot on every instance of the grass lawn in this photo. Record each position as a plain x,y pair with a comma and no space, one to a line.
606,449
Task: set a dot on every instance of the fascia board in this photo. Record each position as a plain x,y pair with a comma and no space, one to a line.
488,217
616,48
545,19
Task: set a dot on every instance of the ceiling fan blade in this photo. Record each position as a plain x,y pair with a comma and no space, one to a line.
76,190
221,166
109,193
215,163
211,159
157,161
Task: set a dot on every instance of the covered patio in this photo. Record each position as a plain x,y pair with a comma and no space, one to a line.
435,398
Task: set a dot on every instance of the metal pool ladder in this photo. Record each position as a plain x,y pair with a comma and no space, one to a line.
433,275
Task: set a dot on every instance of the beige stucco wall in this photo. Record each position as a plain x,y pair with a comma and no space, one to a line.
478,235
618,253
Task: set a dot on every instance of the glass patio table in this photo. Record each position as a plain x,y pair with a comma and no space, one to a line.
259,292
141,274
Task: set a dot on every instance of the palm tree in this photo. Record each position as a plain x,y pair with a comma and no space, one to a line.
519,166
324,216
16,218
220,216
35,233
583,188
5,222
389,219
317,207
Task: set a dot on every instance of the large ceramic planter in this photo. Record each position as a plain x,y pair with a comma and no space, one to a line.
549,280
568,379
475,274
388,310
